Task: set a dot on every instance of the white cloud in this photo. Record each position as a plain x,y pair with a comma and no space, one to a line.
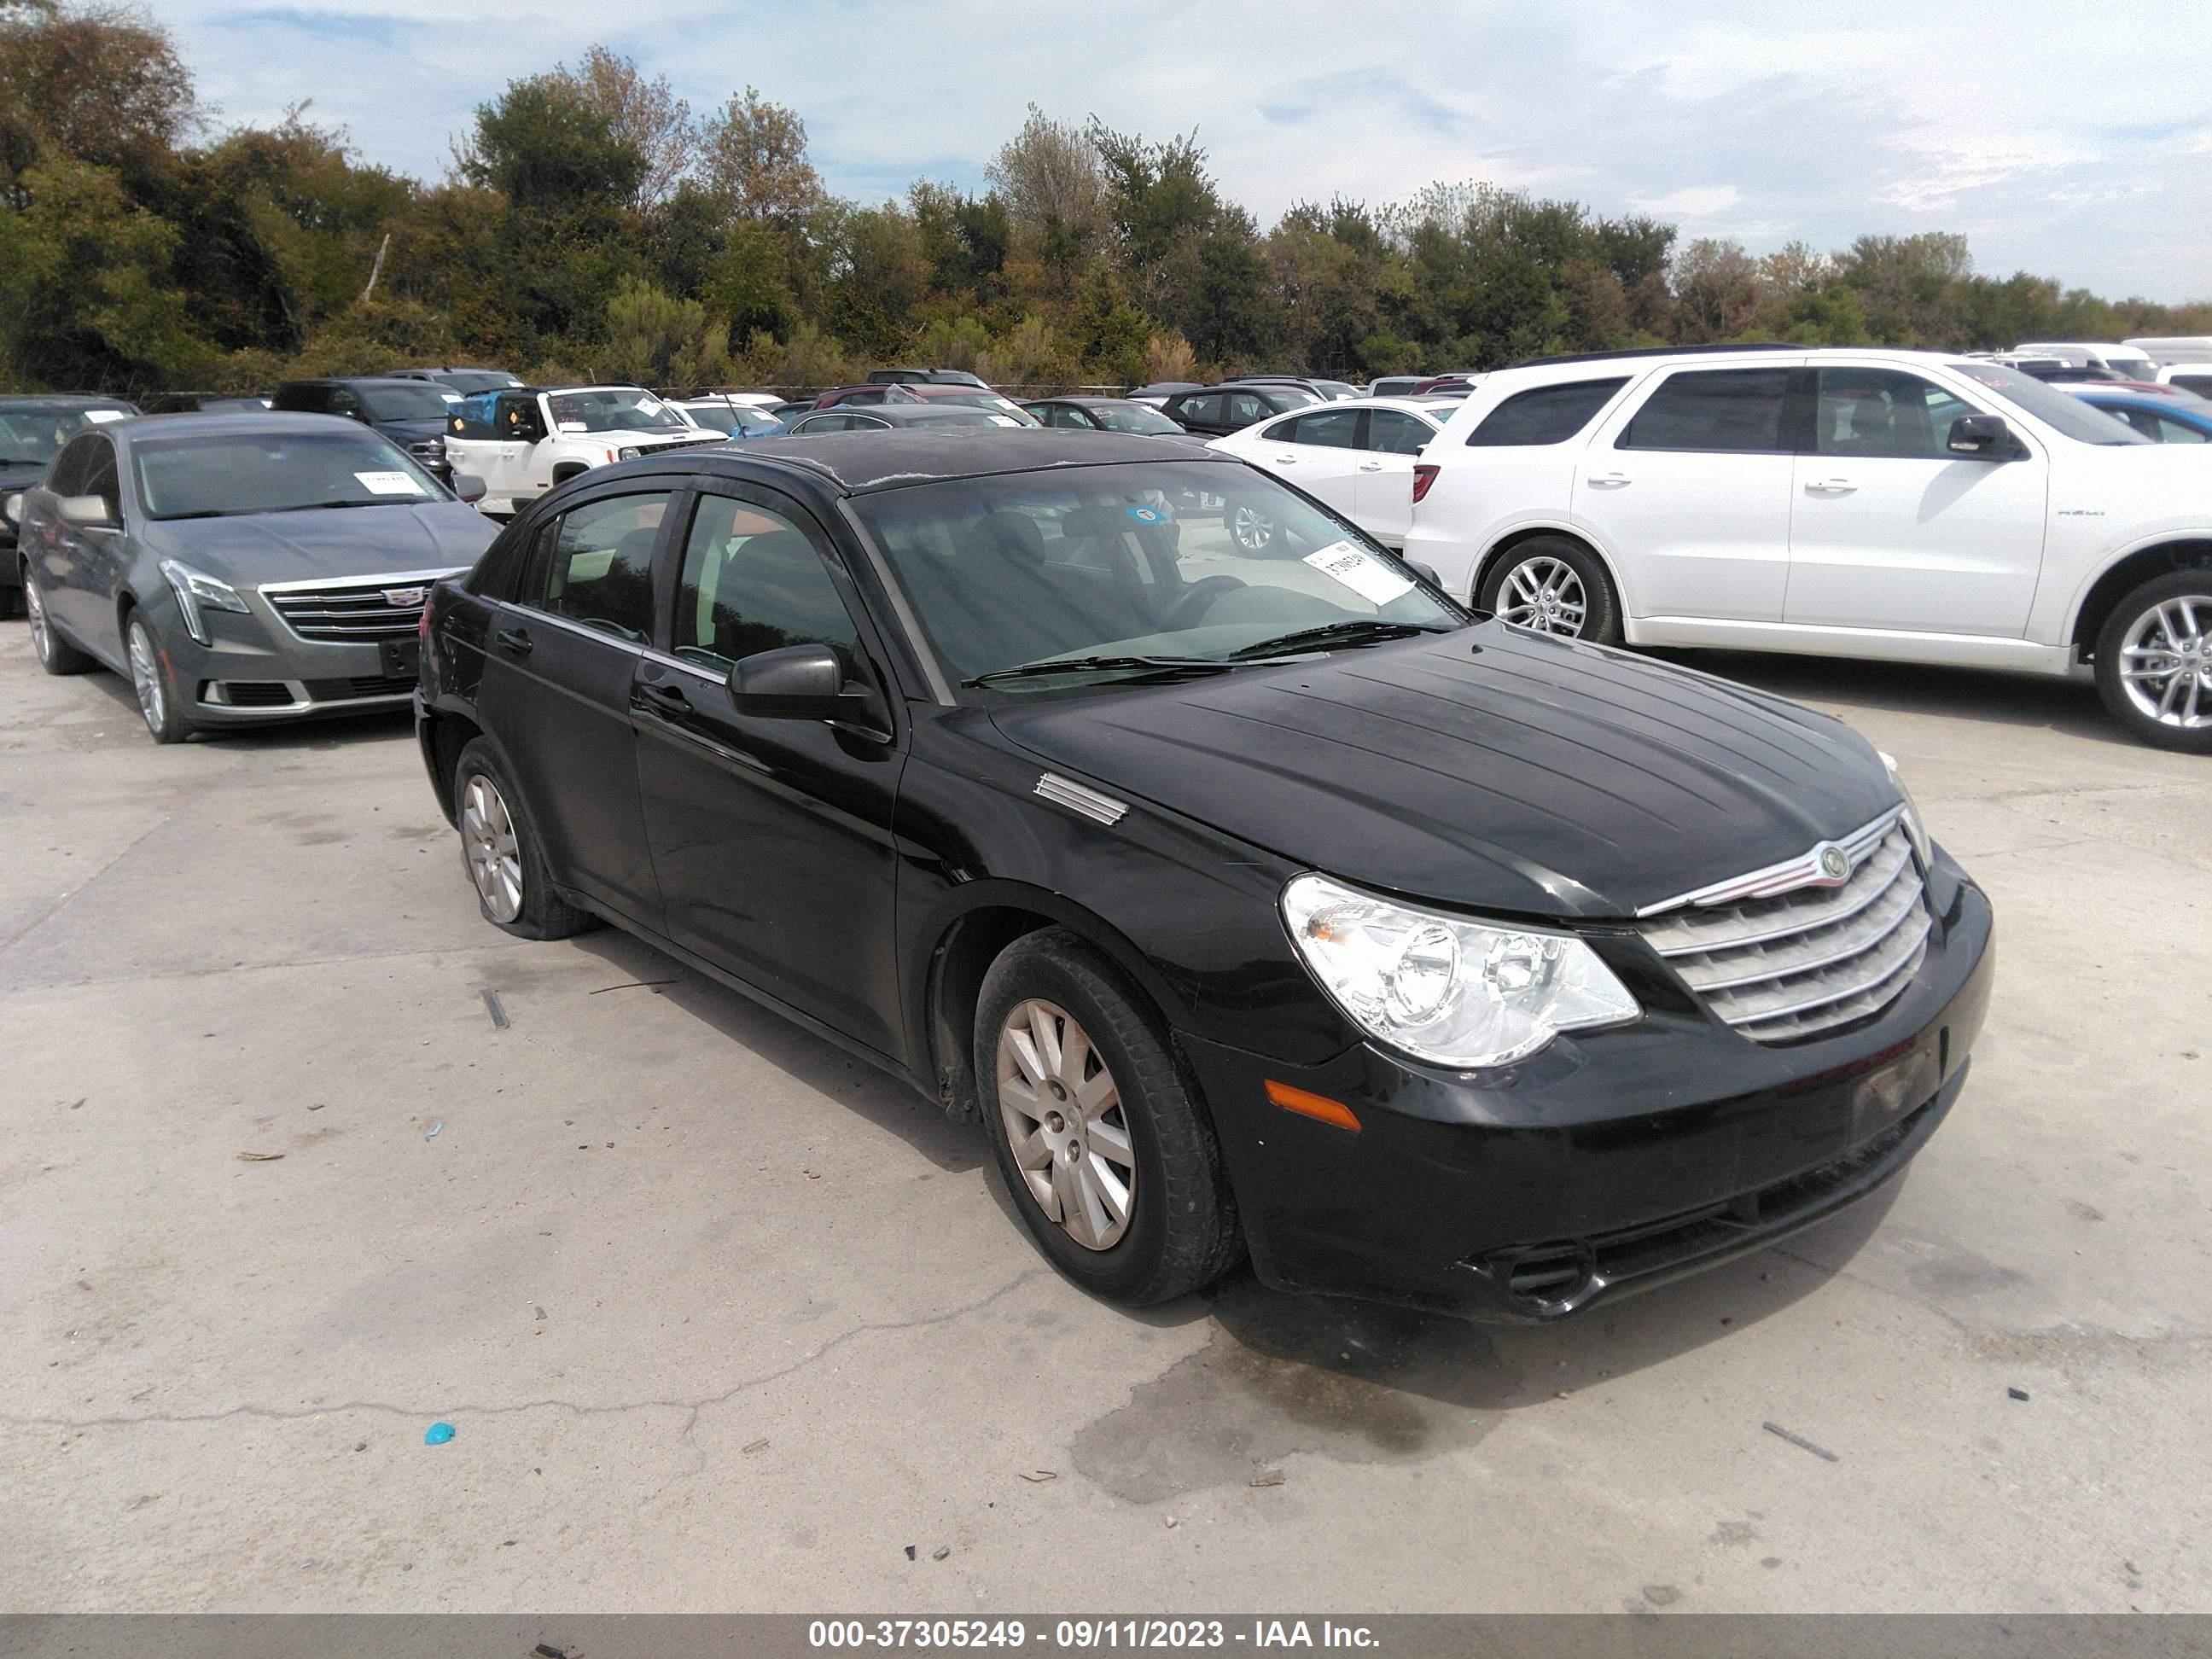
1694,201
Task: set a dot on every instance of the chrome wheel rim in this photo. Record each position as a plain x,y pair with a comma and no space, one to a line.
1253,529
35,609
146,676
1544,594
1066,1123
493,854
2166,663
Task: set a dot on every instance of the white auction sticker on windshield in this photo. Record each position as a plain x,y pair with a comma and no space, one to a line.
102,416
1002,420
1360,571
389,484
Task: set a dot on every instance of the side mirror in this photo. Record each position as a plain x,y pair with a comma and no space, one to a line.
1982,438
800,683
470,487
1427,573
87,512
13,507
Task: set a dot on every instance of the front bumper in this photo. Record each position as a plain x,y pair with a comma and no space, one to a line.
254,669
1609,1162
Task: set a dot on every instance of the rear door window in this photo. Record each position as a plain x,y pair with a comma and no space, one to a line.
1326,428
1730,410
1246,407
595,565
1544,415
1203,411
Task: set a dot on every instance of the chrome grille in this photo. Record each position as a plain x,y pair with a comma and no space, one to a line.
1793,964
354,612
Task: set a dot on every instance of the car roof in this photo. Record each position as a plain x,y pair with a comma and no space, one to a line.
186,422
64,400
867,463
354,379
1086,402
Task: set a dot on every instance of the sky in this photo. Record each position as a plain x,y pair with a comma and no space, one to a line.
2070,140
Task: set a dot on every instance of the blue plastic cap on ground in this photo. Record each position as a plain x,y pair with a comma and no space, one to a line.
438,1434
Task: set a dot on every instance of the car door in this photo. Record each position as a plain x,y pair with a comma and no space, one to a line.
1245,409
1382,493
1200,411
559,665
1888,529
1688,488
772,836
519,428
79,560
1318,451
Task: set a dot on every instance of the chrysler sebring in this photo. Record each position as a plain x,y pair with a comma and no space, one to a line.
1254,899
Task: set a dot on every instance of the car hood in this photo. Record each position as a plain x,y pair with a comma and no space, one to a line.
358,541
1491,768
412,431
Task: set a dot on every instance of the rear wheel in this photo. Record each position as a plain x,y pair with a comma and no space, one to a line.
159,702
514,889
55,654
1554,586
2154,662
1113,1167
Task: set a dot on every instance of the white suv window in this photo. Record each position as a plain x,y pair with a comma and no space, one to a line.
1734,410
1885,412
1545,415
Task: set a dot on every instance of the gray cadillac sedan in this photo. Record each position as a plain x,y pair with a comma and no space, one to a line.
239,569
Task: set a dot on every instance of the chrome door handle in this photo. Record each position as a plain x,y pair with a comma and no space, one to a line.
1371,466
1607,480
1830,487
1287,460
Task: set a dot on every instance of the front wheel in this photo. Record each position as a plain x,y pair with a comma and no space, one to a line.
159,704
1252,530
1113,1167
2154,662
1554,586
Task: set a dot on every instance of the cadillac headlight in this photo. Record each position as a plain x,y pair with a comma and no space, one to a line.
1916,831
197,592
1444,988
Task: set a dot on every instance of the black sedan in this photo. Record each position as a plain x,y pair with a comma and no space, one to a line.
1254,900
1107,415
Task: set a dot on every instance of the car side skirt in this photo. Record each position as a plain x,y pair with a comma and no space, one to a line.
1886,645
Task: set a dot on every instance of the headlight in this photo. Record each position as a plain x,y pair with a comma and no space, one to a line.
1915,831
626,454
196,591
1443,988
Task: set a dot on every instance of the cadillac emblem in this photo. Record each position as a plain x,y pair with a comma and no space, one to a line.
405,599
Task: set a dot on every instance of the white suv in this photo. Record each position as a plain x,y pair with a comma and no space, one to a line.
1903,505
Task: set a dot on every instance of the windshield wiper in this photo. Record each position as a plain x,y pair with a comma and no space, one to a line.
1359,630
1022,671
317,507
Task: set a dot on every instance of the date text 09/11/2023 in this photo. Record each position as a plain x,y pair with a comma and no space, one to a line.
1084,1634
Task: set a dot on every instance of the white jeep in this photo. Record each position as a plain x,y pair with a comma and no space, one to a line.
523,441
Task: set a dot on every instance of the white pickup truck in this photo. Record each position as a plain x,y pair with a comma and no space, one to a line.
522,441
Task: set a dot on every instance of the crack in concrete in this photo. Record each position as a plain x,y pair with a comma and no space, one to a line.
692,1408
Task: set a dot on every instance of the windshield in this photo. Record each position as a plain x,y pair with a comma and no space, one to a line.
230,474
612,408
1132,417
2061,410
34,432
1190,560
986,400
407,400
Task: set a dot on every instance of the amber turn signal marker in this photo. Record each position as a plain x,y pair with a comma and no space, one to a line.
1308,1104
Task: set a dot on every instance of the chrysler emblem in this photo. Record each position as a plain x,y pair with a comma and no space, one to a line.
1835,868
405,599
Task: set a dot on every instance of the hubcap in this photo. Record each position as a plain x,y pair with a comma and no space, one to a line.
1253,529
146,675
35,609
1545,594
494,856
2165,662
1065,1121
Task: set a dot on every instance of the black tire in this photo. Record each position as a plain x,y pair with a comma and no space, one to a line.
1182,1230
539,911
154,682
1601,619
2138,611
55,654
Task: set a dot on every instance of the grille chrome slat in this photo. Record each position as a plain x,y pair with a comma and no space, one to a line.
348,613
1779,966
